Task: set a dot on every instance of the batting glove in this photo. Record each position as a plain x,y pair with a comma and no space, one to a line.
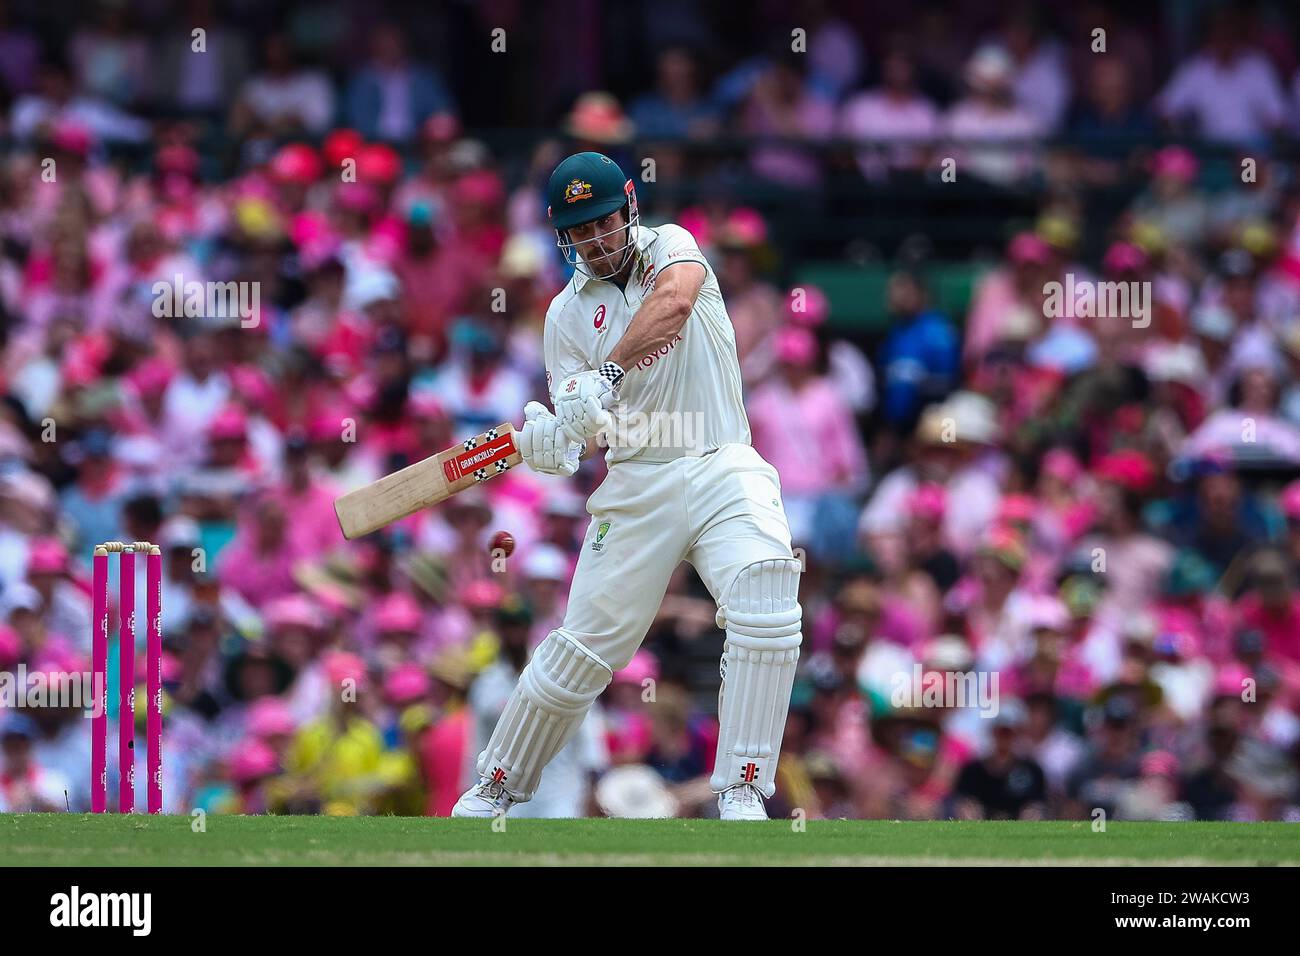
582,399
544,445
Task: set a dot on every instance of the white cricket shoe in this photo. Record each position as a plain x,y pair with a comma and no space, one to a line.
741,802
486,799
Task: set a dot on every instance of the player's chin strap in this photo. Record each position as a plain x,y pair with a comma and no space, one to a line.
764,623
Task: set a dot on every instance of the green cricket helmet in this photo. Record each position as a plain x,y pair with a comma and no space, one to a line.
584,188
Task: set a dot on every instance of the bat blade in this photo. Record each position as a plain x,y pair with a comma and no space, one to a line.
427,482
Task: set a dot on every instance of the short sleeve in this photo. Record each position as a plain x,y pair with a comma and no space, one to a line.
560,354
675,244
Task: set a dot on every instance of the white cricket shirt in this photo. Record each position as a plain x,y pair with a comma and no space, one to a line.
683,399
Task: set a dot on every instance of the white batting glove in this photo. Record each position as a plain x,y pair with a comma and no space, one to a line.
581,400
545,446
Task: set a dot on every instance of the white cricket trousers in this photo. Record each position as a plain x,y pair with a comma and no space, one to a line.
720,512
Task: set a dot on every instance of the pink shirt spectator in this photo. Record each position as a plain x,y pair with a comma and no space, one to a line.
808,436
882,118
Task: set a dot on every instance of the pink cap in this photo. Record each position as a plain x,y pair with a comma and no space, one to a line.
339,145
406,683
270,717
1029,248
928,501
1230,680
357,197
1177,162
745,227
441,128
46,556
1124,257
343,665
482,595
296,163
296,610
1062,465
72,138
152,376
481,186
397,612
1017,508
377,163
809,310
230,422
1159,763
643,666
251,761
1290,501
11,646
796,345
1131,469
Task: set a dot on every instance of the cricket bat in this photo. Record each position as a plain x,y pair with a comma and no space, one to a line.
427,482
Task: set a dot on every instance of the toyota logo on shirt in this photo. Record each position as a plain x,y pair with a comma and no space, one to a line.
599,320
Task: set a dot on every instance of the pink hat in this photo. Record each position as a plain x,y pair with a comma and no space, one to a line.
482,595
1131,469
1290,501
1014,509
441,128
357,197
1029,248
270,717
152,376
1177,162
46,556
1062,465
296,610
1230,680
397,612
1124,257
378,163
643,666
72,138
796,345
426,404
1050,614
928,501
251,761
339,145
296,163
230,422
406,683
481,186
744,227
11,646
1159,763
810,309
342,665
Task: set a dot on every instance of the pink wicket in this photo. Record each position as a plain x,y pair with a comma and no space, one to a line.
126,677
99,680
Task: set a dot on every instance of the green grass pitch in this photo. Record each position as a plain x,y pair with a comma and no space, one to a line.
112,840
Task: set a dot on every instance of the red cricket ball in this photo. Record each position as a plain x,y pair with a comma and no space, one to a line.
503,541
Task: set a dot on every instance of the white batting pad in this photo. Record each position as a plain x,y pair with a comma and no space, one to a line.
759,657
547,706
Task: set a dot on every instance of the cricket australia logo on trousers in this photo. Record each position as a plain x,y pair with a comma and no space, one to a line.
601,530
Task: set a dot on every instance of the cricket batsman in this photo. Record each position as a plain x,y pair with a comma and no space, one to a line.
640,351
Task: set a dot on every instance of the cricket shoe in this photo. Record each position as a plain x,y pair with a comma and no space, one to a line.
741,802
486,799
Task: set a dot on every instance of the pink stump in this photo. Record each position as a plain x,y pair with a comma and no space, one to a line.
153,663
126,684
99,682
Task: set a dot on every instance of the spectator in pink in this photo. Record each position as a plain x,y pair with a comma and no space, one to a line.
802,426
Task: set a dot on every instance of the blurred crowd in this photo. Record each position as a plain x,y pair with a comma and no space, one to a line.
1097,516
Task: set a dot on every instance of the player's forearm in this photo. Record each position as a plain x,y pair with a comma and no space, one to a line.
655,325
